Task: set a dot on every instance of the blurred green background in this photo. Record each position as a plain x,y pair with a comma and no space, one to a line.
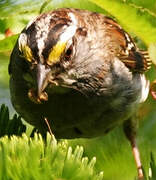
138,17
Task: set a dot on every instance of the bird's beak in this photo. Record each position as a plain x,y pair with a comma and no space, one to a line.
43,75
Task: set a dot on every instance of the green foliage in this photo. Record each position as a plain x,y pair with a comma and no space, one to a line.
12,7
8,43
44,5
9,126
4,76
152,52
152,168
32,158
14,15
147,5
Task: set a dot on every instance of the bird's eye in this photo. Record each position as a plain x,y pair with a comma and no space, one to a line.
68,53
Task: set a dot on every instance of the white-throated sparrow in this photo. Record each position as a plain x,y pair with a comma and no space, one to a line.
82,72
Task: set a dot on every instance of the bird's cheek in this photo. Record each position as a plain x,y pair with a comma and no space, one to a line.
29,80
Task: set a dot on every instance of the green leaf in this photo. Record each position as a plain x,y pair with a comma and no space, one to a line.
9,126
8,43
81,4
152,52
16,7
153,167
14,15
44,5
149,5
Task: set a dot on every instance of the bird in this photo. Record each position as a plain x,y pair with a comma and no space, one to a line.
82,72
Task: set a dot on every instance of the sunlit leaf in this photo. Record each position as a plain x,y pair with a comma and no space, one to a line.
152,52
7,44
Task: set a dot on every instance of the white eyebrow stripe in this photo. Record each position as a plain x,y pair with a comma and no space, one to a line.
70,30
68,34
72,17
22,41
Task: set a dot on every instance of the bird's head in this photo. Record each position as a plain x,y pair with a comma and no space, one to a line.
48,45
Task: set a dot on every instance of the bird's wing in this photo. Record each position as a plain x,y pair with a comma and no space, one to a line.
135,59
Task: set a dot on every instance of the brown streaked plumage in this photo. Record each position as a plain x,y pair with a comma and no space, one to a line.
84,75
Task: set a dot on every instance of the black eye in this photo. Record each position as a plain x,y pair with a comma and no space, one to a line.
68,53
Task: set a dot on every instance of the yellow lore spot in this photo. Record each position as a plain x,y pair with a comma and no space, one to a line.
56,52
27,53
